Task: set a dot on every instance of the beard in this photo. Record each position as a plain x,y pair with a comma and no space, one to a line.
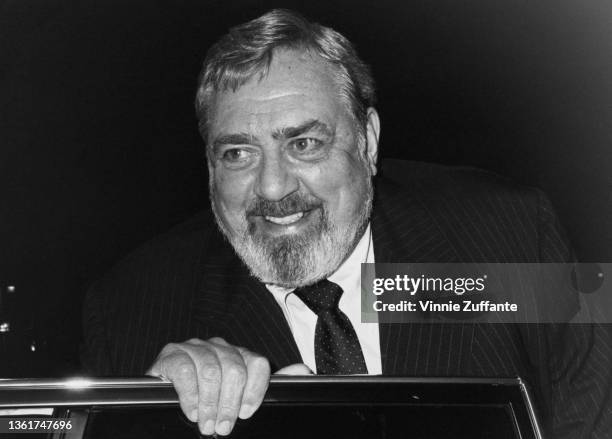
297,259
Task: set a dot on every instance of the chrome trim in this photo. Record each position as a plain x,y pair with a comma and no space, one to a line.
42,411
83,383
154,382
530,408
155,391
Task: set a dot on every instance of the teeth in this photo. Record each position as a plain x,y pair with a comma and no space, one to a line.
285,219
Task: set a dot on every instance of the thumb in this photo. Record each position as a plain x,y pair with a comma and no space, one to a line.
294,369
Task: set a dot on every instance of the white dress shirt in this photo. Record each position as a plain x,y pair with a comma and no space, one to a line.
302,320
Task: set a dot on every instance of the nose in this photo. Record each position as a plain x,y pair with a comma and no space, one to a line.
275,180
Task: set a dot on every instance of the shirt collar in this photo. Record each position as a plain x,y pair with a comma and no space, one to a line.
351,267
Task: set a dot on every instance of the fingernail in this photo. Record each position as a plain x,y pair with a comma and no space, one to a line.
209,428
246,411
224,428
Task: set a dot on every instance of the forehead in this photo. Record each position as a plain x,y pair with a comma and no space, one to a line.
298,86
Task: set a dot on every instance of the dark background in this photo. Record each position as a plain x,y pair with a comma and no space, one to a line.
99,149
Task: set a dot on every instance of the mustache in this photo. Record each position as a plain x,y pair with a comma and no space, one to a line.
287,206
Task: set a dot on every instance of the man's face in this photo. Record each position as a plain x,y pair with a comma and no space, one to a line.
290,177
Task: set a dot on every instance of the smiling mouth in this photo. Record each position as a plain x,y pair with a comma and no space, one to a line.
285,220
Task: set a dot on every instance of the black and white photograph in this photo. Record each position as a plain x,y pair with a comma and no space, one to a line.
257,219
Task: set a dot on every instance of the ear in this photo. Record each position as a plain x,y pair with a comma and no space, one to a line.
372,136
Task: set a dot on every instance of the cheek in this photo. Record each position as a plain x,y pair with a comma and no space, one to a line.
354,196
343,188
232,193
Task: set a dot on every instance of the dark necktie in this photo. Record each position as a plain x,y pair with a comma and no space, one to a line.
337,349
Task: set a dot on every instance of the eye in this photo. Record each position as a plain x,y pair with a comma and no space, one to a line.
234,155
306,145
237,158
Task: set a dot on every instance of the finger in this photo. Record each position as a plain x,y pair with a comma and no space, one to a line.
258,378
234,378
179,368
208,386
155,369
170,348
219,341
294,369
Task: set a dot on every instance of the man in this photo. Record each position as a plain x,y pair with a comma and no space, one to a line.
286,111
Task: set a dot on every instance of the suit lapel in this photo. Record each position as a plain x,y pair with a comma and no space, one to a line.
404,231
239,307
260,320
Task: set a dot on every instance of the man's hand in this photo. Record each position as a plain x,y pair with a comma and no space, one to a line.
215,381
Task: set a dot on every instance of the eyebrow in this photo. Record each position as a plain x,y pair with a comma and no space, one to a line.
306,127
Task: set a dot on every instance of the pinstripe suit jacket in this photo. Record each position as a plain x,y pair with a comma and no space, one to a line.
189,283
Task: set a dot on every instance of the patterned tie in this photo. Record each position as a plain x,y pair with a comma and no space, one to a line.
337,349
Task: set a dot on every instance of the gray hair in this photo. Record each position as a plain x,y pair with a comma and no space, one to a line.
248,49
